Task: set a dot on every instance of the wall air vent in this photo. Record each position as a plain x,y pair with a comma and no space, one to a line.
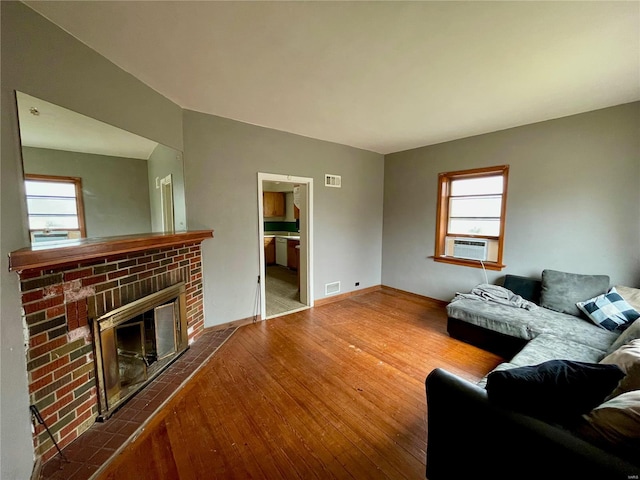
470,248
332,180
332,288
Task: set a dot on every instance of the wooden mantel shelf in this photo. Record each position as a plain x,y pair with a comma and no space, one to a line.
69,251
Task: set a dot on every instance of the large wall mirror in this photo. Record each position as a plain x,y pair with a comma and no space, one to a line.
84,178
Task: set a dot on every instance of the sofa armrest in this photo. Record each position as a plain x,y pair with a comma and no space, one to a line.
470,437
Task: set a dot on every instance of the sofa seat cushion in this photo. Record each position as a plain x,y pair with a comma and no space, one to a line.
528,324
492,316
547,346
574,328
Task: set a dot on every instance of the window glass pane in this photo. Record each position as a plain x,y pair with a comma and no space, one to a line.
477,186
50,189
474,227
51,221
476,207
51,206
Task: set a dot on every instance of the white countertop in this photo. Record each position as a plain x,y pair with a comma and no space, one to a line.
287,235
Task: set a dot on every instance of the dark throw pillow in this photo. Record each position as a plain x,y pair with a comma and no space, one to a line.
527,288
557,391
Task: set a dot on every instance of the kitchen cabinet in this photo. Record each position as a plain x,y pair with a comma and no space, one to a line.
270,250
273,204
292,254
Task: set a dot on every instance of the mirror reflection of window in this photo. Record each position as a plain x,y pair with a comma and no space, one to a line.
55,208
120,174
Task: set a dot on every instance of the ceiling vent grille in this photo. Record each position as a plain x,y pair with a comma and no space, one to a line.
331,180
332,288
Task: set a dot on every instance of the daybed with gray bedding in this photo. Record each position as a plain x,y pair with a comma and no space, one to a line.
536,325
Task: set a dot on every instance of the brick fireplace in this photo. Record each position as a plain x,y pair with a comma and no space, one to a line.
63,295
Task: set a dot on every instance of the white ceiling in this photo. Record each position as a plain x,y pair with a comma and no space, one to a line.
58,128
382,76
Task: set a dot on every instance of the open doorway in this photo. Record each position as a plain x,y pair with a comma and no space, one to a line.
285,219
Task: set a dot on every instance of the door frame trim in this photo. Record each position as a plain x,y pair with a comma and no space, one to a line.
307,234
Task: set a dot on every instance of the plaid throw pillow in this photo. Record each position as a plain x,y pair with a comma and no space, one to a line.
609,311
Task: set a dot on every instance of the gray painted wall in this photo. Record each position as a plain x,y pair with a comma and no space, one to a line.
63,71
114,189
223,158
162,162
573,202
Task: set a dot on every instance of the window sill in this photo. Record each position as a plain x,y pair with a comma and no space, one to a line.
469,263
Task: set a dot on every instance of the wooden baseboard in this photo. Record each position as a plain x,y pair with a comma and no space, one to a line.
441,303
322,301
343,296
334,298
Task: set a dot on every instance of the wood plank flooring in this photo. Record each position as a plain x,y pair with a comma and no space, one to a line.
335,391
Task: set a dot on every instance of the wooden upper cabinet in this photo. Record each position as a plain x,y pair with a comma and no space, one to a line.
273,204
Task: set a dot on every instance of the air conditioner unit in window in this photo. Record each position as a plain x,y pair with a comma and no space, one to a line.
470,248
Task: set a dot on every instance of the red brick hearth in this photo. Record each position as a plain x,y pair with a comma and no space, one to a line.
58,304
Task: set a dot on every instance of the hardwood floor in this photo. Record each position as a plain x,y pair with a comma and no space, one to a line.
335,391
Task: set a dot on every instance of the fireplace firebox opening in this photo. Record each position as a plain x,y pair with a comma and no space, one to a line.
134,343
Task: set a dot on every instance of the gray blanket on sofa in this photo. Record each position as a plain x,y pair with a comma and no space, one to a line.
497,294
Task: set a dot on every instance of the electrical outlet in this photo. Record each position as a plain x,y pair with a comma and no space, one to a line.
357,284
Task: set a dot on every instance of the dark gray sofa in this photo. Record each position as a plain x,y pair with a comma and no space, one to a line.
471,437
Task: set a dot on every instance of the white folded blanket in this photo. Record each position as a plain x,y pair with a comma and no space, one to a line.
497,294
